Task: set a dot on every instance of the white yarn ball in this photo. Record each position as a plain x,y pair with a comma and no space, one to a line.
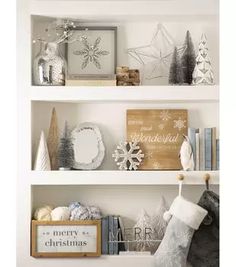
60,214
167,216
43,213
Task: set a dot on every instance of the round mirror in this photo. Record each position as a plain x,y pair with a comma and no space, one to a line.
89,149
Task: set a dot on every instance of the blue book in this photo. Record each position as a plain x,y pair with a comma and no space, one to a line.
208,151
105,235
115,234
217,154
192,138
111,235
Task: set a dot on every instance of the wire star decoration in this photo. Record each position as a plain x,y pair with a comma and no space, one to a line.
91,53
157,55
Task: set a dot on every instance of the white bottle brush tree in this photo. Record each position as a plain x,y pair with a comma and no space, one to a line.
203,73
66,150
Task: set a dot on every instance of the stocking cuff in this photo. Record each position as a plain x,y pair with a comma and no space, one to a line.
187,212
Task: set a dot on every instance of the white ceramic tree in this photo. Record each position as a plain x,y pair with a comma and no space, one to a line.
42,160
158,223
203,73
142,227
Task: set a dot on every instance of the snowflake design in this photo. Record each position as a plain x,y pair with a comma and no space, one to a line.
128,155
149,155
91,53
161,126
157,165
165,115
179,124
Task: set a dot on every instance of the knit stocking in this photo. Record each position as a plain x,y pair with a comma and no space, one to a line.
185,217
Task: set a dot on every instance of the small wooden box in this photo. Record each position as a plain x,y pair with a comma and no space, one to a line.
66,238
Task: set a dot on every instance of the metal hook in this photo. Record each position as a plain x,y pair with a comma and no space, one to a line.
207,178
180,177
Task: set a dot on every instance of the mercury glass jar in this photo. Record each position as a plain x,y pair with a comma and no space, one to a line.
49,67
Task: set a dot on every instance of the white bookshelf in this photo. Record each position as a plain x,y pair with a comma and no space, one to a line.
120,177
127,93
128,10
121,192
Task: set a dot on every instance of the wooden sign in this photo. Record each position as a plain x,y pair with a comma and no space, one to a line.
66,238
160,134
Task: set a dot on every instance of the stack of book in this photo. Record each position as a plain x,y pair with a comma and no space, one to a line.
205,148
91,80
112,232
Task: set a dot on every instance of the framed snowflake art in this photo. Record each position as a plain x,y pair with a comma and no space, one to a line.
94,53
159,133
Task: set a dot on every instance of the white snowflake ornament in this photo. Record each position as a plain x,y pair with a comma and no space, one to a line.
128,155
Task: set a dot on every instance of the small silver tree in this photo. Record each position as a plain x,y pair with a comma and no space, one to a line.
176,72
66,150
188,59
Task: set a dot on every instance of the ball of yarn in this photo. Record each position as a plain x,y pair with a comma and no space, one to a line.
73,205
80,213
60,214
94,213
43,213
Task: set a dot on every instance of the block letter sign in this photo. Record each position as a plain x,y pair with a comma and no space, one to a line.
160,134
66,238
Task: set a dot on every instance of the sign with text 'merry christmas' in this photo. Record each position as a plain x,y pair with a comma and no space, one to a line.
160,134
66,238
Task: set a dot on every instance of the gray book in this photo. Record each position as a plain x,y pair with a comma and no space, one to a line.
111,235
217,154
208,150
115,234
105,236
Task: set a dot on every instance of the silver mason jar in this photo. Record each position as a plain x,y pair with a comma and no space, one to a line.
49,67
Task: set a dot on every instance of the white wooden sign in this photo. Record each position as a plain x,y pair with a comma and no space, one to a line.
66,238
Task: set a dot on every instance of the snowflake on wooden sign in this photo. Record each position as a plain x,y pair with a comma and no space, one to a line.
179,124
161,126
165,115
128,155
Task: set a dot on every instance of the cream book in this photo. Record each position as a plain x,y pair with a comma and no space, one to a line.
91,80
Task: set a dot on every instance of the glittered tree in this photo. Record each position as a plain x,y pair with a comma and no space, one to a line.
53,140
203,73
188,59
176,72
66,151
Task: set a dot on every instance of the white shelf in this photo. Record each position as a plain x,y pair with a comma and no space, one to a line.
120,177
104,260
150,10
126,93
